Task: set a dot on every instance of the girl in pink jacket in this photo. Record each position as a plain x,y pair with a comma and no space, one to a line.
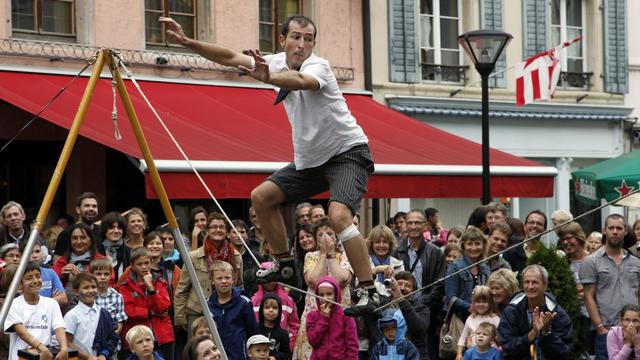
331,333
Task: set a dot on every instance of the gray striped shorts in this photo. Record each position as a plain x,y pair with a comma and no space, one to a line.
345,176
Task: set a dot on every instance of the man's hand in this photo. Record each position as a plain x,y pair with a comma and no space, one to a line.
260,69
173,30
547,317
395,290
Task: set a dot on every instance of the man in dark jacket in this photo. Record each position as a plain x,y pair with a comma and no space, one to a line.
426,263
415,313
534,322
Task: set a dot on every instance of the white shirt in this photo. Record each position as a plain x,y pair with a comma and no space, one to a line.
322,125
82,322
41,321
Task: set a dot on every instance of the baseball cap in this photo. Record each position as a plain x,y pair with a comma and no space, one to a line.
257,339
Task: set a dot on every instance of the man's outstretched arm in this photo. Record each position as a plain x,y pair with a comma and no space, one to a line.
216,53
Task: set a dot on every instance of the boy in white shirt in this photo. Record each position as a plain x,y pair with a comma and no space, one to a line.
33,318
89,328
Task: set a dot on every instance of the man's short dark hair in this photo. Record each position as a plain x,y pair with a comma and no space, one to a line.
614,217
539,212
31,266
430,212
398,215
85,195
501,227
239,223
301,20
407,276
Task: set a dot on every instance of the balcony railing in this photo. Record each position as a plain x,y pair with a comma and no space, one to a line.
444,73
575,80
156,58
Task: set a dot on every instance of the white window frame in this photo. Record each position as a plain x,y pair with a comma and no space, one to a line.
563,33
437,48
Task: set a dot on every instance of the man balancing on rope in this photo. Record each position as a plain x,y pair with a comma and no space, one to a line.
331,151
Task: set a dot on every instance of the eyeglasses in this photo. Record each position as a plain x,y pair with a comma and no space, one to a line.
411,223
217,227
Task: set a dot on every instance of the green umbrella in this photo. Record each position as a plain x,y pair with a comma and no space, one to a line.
608,179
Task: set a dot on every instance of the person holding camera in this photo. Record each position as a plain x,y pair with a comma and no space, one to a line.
414,310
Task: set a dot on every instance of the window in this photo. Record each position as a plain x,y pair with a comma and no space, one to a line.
567,23
46,17
440,55
182,11
272,14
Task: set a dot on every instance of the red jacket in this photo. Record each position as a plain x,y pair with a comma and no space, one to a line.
150,310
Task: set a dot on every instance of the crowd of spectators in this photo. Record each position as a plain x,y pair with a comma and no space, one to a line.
111,288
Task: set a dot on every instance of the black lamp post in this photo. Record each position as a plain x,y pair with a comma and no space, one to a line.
484,47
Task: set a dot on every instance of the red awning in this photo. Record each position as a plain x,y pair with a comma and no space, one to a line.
238,138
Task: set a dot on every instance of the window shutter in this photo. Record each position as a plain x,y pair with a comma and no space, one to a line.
535,26
491,19
403,41
616,75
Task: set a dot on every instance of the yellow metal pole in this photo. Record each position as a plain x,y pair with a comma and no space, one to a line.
69,143
38,225
144,146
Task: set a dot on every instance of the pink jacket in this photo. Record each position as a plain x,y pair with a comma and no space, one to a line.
335,337
290,321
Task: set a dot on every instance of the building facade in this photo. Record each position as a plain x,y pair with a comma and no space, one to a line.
419,69
57,37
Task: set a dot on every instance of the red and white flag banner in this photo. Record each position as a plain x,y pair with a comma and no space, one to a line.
537,77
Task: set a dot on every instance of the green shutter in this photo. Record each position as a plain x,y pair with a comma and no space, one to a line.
491,18
535,26
616,75
403,41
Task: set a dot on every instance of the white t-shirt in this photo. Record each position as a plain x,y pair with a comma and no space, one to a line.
41,321
321,122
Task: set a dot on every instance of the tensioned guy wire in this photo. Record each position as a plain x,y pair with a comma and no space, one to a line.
62,89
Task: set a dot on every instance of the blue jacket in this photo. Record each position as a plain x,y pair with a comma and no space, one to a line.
514,328
461,285
156,356
402,348
236,322
105,341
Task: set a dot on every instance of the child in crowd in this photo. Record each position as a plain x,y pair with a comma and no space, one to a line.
89,328
485,335
331,333
394,345
142,348
200,327
594,242
146,300
51,284
481,311
290,321
33,318
258,347
623,341
270,312
452,252
231,310
107,297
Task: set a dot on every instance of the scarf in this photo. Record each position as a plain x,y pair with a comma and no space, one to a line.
377,262
80,260
225,253
111,249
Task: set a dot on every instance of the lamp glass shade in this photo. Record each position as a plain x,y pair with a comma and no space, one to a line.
484,46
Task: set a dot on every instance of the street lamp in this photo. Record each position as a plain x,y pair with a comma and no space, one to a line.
484,48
